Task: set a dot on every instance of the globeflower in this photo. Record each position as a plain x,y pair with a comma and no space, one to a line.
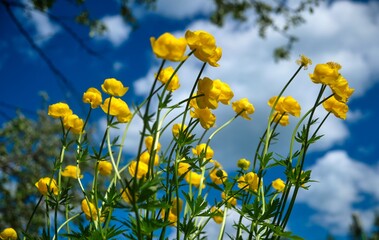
114,87
73,123
231,200
218,176
72,172
89,210
341,89
203,150
166,76
211,92
145,158
127,196
183,168
8,234
194,179
248,181
46,185
59,110
218,215
285,105
93,97
281,118
325,73
149,144
243,163
243,107
339,109
117,108
278,184
206,117
105,168
304,61
142,170
204,45
168,47
176,128
174,211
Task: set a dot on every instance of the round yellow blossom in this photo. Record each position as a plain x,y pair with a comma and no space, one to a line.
231,200
326,73
211,92
183,168
177,127
278,184
59,110
341,89
164,77
168,47
218,215
243,107
206,117
174,211
93,97
140,172
117,108
89,210
149,144
304,61
248,181
72,172
226,92
73,123
205,47
339,109
145,158
282,118
243,163
218,176
194,179
8,234
105,168
114,87
46,185
203,148
285,105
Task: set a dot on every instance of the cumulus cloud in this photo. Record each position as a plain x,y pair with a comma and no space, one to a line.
44,28
117,30
343,183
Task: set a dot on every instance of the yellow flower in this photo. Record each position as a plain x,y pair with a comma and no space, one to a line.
72,172
194,179
127,196
218,176
141,171
243,163
168,47
285,105
243,107
117,108
183,168
218,215
248,181
326,73
202,149
149,144
341,89
211,92
282,118
164,77
177,127
174,211
105,168
92,96
339,109
231,200
8,234
46,185
205,47
206,117
145,158
59,110
278,184
73,123
89,210
114,87
304,61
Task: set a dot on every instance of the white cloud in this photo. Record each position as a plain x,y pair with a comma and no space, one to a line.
117,30
117,65
342,183
45,29
180,9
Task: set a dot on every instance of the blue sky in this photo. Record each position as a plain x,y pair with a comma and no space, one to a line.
345,162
